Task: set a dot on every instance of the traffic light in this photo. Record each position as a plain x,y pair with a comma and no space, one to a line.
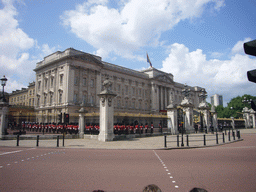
60,118
251,75
66,118
250,48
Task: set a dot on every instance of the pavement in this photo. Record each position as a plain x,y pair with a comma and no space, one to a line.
153,142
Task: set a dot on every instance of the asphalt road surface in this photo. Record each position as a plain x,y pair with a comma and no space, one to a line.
231,167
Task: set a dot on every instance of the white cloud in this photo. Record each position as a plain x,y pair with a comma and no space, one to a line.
226,77
15,61
239,46
134,24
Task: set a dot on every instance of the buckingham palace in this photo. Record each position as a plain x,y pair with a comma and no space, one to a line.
69,80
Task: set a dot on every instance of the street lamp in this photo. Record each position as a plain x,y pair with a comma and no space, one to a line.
3,83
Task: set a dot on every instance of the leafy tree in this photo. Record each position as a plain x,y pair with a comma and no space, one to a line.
234,107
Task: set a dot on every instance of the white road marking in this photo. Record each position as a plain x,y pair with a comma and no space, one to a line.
11,152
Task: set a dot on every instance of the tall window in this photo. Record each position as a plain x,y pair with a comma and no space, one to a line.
75,97
84,99
52,82
60,97
51,96
45,98
39,85
76,80
38,101
84,81
92,82
61,79
45,85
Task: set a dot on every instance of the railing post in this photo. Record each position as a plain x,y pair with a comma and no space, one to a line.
204,140
187,141
18,139
58,138
217,139
178,143
223,135
238,134
165,144
37,140
234,136
229,136
63,139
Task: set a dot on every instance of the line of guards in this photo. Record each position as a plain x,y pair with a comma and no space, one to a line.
73,128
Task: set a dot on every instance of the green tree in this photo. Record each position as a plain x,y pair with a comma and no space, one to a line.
234,107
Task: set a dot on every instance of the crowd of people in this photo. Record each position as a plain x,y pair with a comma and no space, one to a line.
73,128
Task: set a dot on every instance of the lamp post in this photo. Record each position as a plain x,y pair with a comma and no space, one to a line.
3,83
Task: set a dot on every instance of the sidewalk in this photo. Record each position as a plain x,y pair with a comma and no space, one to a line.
156,142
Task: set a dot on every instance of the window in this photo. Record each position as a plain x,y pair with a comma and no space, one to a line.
84,99
84,81
75,98
126,90
61,79
133,91
38,101
92,82
51,96
39,85
133,104
45,98
118,103
52,82
46,80
76,80
91,99
60,97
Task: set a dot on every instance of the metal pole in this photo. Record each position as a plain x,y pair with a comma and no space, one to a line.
165,144
229,136
217,140
204,140
58,138
178,142
18,139
37,140
223,135
63,139
187,141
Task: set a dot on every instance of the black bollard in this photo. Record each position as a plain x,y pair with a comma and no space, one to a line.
204,140
238,134
187,141
223,135
228,136
18,139
225,131
58,138
217,139
234,136
37,140
165,144
178,142
63,139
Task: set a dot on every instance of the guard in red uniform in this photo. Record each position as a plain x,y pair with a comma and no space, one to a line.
152,128
141,128
146,128
136,128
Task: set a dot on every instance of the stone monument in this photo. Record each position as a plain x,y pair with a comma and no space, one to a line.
187,106
106,112
204,108
172,124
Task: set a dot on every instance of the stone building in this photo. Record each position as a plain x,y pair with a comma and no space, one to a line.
23,97
68,80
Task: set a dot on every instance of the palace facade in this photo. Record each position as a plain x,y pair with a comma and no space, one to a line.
69,80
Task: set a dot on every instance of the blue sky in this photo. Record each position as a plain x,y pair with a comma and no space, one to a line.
199,41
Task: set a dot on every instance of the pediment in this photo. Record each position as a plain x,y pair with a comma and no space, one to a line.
164,78
88,58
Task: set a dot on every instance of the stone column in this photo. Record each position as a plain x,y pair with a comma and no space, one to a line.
214,118
3,118
106,113
172,123
188,109
233,123
252,114
246,116
204,108
81,122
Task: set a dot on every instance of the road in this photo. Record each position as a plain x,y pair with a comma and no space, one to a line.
228,167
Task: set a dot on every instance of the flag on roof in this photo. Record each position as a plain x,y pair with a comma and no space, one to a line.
148,60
